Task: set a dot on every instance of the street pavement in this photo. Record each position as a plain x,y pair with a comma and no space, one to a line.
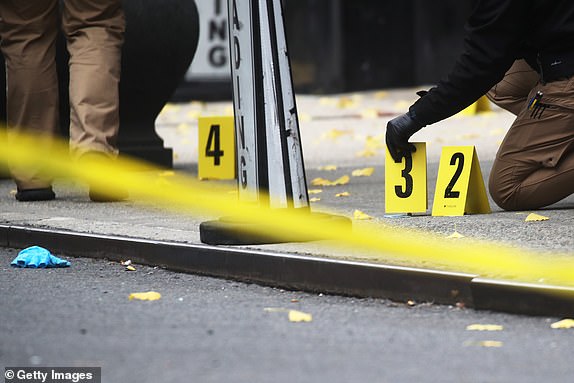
214,330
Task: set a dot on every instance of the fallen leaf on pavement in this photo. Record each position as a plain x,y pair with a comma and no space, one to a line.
359,215
563,324
324,182
491,343
366,172
315,199
343,194
147,296
314,191
536,218
367,153
369,113
130,268
335,133
456,234
484,327
328,168
299,316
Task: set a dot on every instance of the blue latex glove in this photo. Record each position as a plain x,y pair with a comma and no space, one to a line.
38,257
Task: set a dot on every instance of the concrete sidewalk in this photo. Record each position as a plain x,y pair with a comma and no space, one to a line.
344,130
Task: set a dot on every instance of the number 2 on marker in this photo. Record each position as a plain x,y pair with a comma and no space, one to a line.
456,159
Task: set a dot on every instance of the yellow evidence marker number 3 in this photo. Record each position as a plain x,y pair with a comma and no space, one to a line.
459,186
216,148
406,182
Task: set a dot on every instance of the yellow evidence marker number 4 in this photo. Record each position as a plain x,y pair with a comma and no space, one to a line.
459,186
406,182
216,148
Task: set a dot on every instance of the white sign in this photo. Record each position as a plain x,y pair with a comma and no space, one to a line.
211,61
270,160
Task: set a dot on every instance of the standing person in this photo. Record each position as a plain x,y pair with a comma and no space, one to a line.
94,31
523,52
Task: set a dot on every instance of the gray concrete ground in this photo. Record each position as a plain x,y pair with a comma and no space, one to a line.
346,131
211,330
214,330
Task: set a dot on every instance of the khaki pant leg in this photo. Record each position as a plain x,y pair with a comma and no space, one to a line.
534,166
28,30
512,91
95,33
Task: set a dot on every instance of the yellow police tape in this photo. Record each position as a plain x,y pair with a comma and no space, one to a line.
184,195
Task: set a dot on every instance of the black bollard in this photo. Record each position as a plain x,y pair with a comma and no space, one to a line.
160,42
161,39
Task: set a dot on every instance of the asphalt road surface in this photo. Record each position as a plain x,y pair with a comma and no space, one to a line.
211,330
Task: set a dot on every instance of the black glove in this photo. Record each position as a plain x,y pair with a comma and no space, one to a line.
399,130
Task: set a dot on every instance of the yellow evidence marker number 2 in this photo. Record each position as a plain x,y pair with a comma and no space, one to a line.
406,182
216,148
459,186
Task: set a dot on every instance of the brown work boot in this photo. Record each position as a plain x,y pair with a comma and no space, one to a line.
97,192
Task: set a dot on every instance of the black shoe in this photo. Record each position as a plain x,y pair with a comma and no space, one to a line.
116,195
42,194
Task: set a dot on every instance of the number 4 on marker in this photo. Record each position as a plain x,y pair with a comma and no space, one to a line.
216,149
406,182
459,186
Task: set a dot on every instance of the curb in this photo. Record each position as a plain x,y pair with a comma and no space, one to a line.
312,274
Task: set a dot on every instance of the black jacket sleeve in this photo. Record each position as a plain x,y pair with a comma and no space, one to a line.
494,35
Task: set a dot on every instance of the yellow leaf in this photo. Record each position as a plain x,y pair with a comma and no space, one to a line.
491,343
563,324
327,101
194,114
346,102
366,172
148,296
536,218
167,173
367,153
320,182
359,215
484,327
299,316
335,133
130,268
369,113
314,191
343,194
342,181
381,94
456,234
328,168
376,142
314,199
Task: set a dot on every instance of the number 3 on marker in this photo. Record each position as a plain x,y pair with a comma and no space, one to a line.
407,191
406,182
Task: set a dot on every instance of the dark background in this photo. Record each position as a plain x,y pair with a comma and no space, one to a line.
343,45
